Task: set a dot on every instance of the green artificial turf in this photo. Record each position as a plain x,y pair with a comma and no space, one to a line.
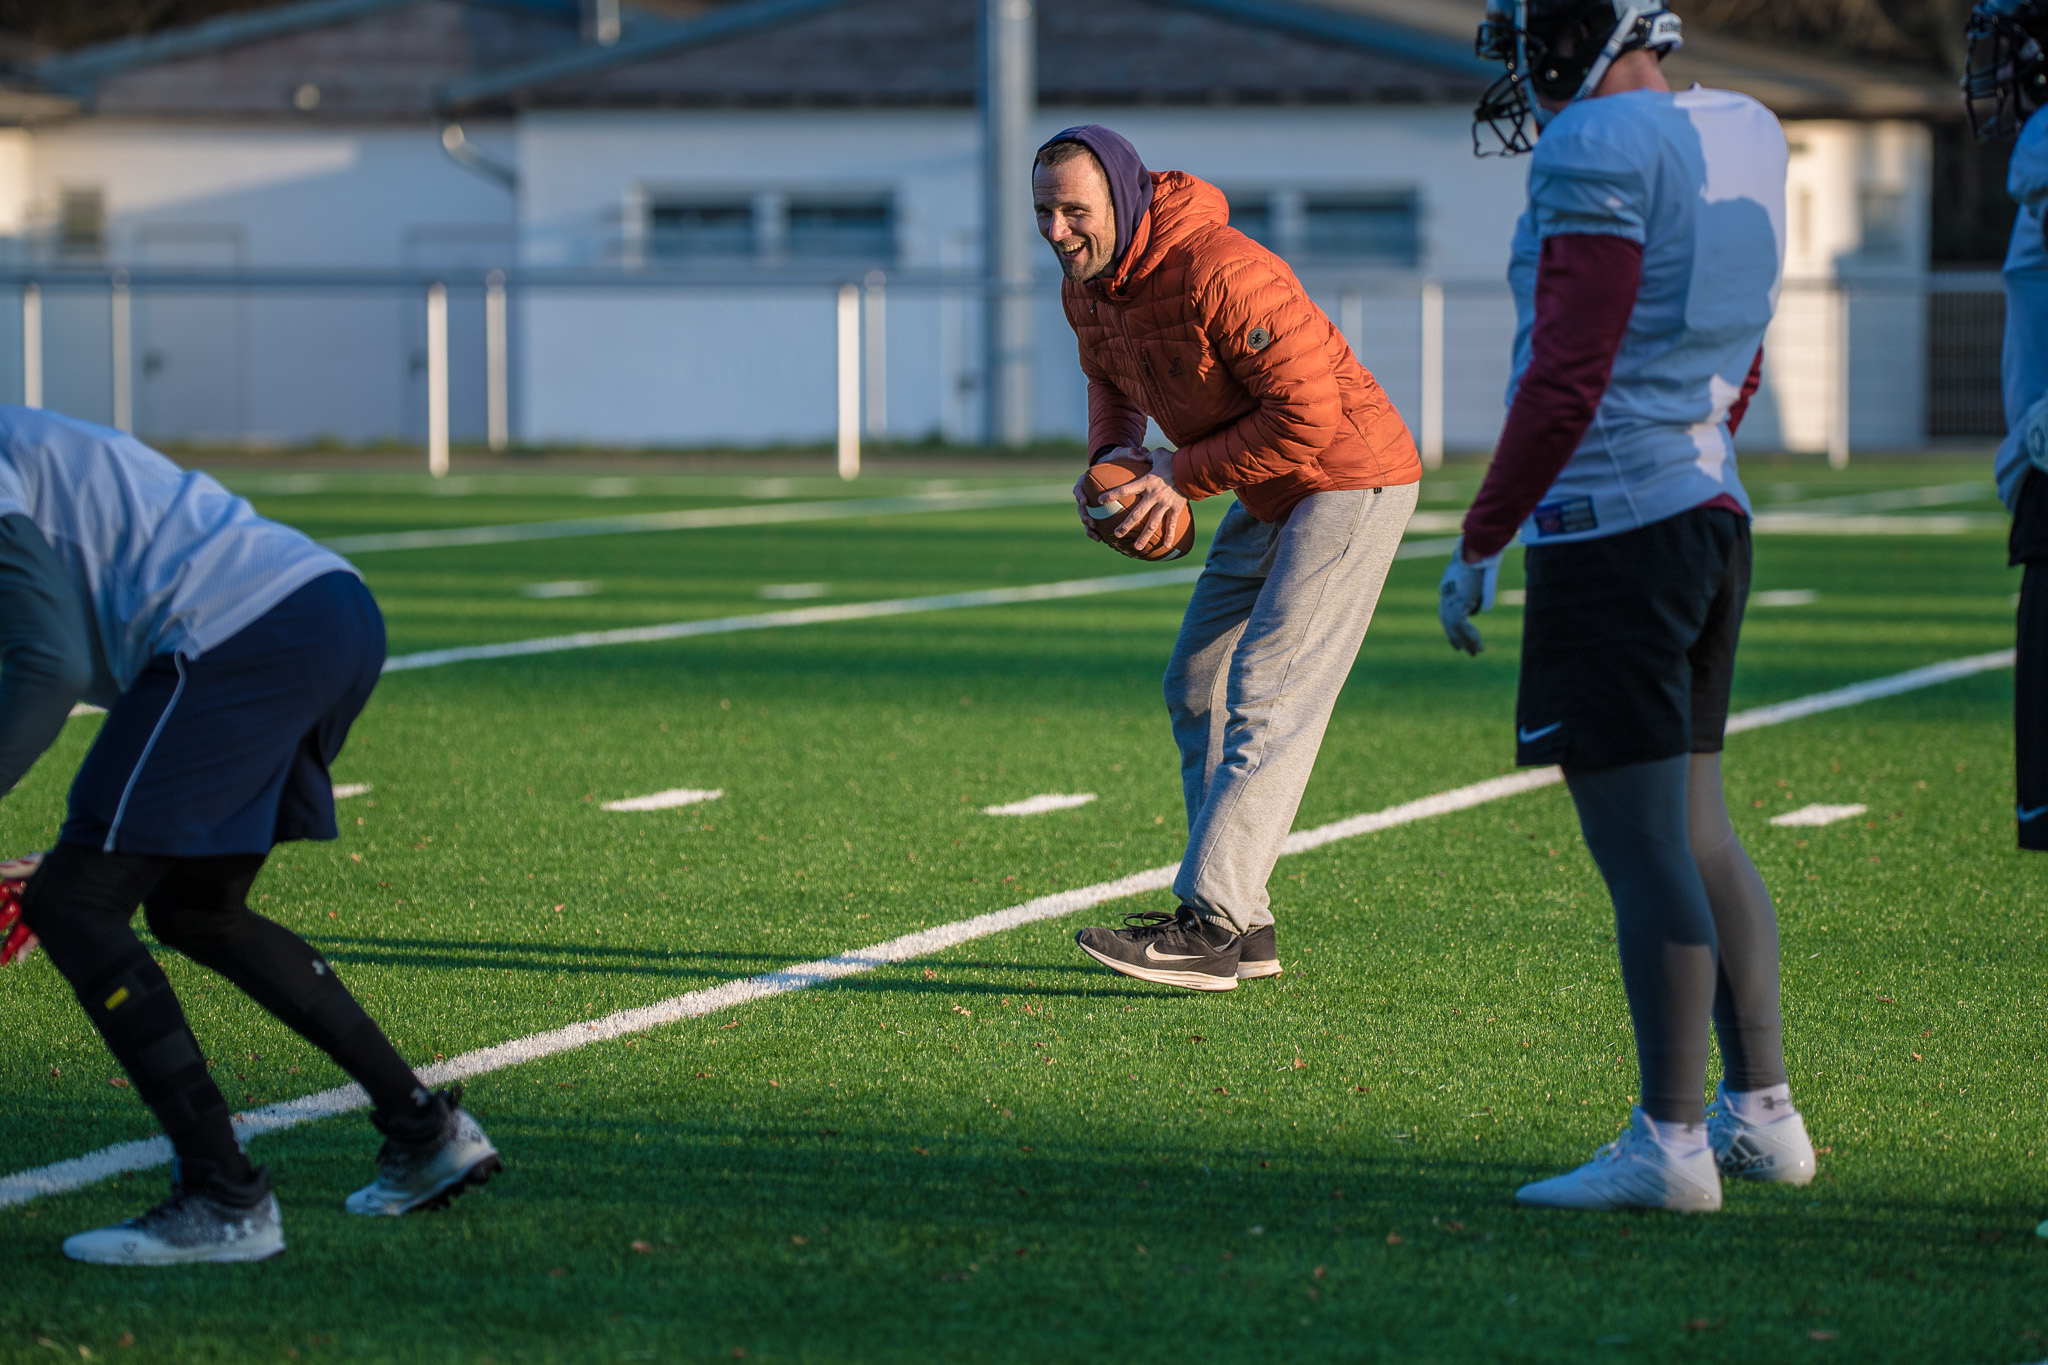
1002,1152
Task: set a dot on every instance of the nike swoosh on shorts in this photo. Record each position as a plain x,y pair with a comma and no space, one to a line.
1531,736
2025,815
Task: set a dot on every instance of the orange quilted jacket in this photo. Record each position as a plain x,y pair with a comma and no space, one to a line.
1210,334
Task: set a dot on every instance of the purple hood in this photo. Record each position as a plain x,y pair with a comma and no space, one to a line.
1130,184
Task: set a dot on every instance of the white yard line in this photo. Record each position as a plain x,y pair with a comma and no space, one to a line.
847,611
78,1172
1817,815
702,519
344,790
1836,524
796,616
1039,805
668,800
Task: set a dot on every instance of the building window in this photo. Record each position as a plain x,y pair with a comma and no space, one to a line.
1252,214
862,229
684,230
1382,228
1881,220
82,223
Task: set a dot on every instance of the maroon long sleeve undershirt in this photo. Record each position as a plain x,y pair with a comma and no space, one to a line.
1585,291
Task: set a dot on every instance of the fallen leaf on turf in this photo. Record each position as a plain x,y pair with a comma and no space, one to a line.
643,1247
558,1272
355,857
1454,1227
1393,1239
1362,1089
798,1239
957,1009
922,1151
127,1339
1219,1090
930,975
118,1082
739,1353
703,1075
1917,1057
1299,1064
1319,1272
732,1023
1020,1252
1822,1336
776,1084
1197,1038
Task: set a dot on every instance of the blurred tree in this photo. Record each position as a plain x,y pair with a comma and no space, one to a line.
1922,32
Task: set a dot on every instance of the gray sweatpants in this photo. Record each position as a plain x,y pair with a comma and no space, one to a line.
1270,636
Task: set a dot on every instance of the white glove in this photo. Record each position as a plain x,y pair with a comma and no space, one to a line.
1465,589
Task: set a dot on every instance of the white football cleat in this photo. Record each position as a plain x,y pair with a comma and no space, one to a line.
191,1227
1633,1172
426,1175
1778,1152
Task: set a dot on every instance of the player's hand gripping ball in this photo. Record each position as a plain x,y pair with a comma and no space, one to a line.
1100,485
16,940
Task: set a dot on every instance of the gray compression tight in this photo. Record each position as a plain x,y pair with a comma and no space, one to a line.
1695,926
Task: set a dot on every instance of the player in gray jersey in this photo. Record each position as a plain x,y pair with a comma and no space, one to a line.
232,655
1645,273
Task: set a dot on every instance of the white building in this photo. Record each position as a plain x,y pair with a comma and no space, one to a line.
677,210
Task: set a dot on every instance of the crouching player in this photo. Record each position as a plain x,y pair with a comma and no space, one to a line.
2005,85
232,654
1184,319
1645,272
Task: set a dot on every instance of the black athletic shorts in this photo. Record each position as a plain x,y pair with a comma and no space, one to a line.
1628,642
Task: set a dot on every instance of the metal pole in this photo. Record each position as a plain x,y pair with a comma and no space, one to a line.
497,400
437,380
1838,427
1009,98
31,345
121,315
875,317
1432,375
849,382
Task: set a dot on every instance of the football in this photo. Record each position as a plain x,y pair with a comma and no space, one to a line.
1102,482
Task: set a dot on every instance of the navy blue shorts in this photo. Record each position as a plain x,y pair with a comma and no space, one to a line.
228,752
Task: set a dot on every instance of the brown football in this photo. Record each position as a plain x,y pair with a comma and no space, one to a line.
1102,482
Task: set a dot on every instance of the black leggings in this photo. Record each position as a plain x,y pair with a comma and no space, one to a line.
1696,929
80,903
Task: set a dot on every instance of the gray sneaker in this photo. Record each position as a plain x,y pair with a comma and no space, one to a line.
1778,1152
1633,1172
209,1222
414,1175
1260,957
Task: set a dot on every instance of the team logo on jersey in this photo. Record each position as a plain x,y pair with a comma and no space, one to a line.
1566,516
1258,338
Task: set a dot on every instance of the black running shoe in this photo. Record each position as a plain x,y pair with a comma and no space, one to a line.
1178,949
203,1220
1260,956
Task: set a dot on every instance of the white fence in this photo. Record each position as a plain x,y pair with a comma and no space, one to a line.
639,359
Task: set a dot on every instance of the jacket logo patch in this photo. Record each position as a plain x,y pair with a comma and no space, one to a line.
1258,338
1173,367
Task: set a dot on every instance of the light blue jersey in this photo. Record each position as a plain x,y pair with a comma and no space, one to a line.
1699,180
168,560
2024,365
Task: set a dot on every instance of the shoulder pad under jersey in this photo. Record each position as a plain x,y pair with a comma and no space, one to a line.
1593,169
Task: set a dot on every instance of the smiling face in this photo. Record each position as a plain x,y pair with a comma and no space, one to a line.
1077,215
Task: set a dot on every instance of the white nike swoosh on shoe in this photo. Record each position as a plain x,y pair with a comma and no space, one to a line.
1531,736
2025,815
1152,954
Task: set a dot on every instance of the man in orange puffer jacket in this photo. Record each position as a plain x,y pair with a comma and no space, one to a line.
1185,320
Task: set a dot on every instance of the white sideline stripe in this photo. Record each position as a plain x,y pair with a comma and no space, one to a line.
78,1172
701,519
797,616
1835,524
1786,597
1039,805
668,800
1816,815
344,790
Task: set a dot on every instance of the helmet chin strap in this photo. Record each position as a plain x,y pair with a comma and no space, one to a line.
1598,71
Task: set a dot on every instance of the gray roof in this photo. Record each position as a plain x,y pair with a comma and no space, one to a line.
368,59
767,53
